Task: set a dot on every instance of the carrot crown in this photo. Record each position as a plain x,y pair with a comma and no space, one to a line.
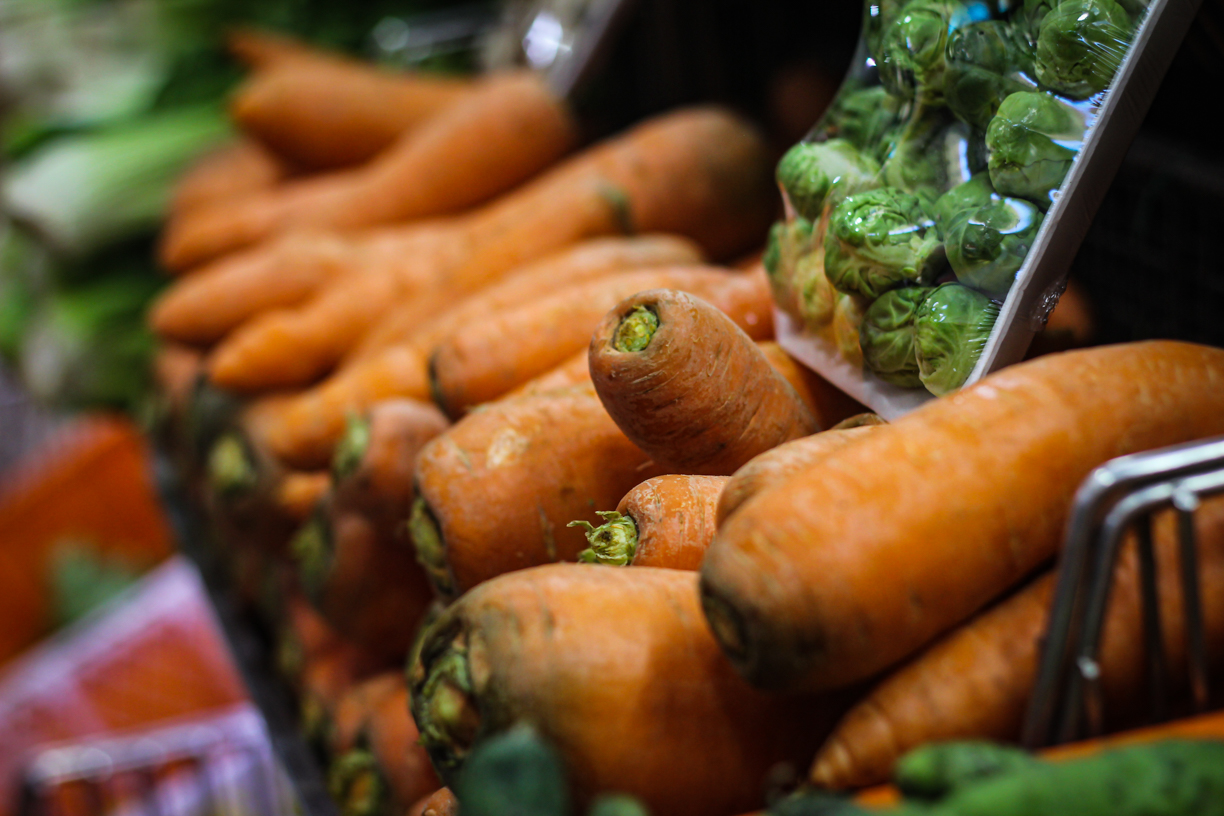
312,549
230,469
636,330
429,546
351,448
442,705
357,784
613,543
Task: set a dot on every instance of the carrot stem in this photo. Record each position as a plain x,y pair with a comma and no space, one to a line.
430,548
312,548
230,469
636,330
357,784
447,716
613,543
352,447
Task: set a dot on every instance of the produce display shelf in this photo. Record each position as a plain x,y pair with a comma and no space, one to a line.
250,644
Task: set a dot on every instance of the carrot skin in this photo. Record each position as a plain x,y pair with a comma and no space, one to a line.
668,390
226,174
975,683
618,671
439,803
996,463
828,403
674,516
536,463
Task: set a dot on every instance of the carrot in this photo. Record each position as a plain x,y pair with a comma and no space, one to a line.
302,636
247,494
217,298
976,681
225,174
501,134
864,554
309,425
378,765
439,803
484,360
495,492
176,368
667,521
324,113
828,403
258,48
573,371
618,671
299,492
662,362
778,464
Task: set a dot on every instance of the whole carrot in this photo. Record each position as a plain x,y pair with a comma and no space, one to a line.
498,136
662,362
484,360
258,48
496,491
323,113
392,361
439,803
667,521
776,465
617,670
975,683
856,563
225,175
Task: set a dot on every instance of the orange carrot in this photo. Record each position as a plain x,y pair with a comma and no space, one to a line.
975,683
574,371
325,113
617,670
485,360
495,492
225,175
299,492
828,403
662,362
667,521
692,172
258,48
859,561
778,464
309,425
439,803
498,136
324,681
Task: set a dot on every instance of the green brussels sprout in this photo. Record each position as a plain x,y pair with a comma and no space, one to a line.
987,246
814,294
887,336
966,196
1032,142
984,64
880,240
847,316
865,117
911,61
788,241
811,171
930,156
1080,45
1032,12
951,328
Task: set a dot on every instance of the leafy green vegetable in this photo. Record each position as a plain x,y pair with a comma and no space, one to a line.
930,155
951,328
814,295
812,173
1032,142
984,61
880,240
788,241
847,317
970,195
1081,45
987,246
516,773
938,769
912,59
887,336
868,118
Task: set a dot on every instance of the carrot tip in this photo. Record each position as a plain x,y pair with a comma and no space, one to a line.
430,547
357,784
312,549
231,472
636,330
351,448
612,543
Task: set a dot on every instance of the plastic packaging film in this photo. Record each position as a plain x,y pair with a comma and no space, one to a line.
933,212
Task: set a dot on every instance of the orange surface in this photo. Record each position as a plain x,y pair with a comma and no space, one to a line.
92,484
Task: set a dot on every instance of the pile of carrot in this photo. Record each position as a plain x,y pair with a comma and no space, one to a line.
467,396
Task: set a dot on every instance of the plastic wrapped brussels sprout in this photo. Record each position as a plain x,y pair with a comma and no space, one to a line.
1080,46
847,317
987,62
951,328
931,155
880,240
987,246
814,296
788,242
912,50
813,173
1032,142
970,195
886,336
868,118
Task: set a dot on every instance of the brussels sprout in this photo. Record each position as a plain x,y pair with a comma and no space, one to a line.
814,294
1032,12
1080,45
931,155
880,240
887,336
911,61
865,117
984,65
847,316
788,241
966,196
950,330
878,16
1032,141
811,171
986,247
